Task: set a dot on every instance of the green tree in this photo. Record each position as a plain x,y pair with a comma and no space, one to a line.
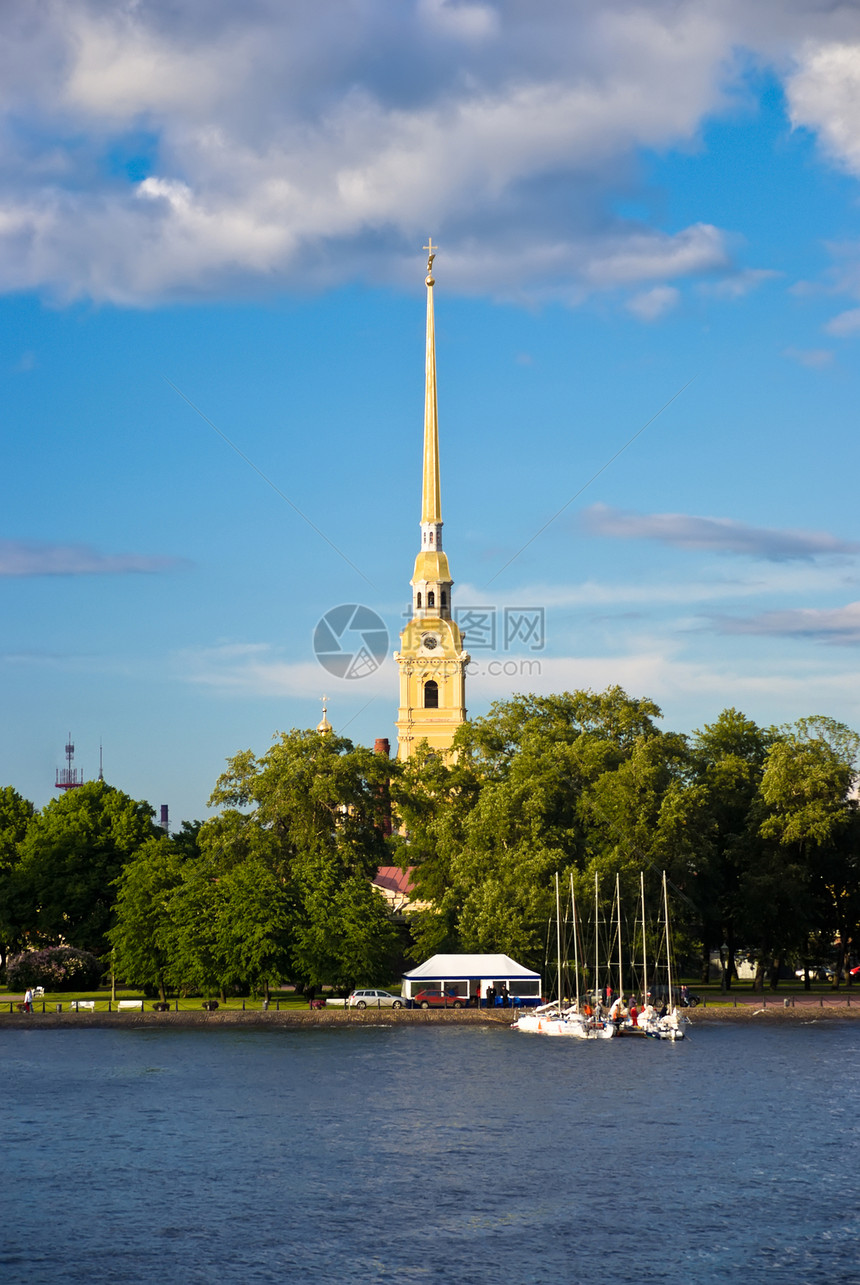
254,927
316,820
16,814
196,957
810,828
142,939
73,851
728,759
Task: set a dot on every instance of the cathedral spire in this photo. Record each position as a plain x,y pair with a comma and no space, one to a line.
431,494
432,659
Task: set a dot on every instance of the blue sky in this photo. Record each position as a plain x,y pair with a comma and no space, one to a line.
232,204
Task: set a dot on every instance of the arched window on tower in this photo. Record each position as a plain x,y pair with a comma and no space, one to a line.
444,600
418,600
431,599
431,694
431,537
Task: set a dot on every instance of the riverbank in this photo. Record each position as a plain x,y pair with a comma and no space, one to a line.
758,1011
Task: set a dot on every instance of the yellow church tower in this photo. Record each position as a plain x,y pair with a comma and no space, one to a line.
432,660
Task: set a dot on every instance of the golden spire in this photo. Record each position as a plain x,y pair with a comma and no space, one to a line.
431,494
324,725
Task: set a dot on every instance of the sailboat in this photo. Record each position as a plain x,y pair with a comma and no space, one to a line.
561,1018
580,1021
669,1026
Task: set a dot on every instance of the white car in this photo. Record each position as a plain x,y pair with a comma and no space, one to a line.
374,999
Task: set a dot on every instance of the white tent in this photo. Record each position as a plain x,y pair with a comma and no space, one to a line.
466,977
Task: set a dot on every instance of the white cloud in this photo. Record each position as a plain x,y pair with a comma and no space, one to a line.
737,285
284,149
824,95
258,669
812,358
761,581
690,692
847,323
838,625
650,305
461,21
21,558
724,535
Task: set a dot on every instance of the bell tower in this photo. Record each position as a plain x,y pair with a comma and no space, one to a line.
432,660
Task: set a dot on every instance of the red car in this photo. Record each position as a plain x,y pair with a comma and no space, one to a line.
438,999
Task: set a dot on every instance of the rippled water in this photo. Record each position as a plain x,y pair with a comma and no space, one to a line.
434,1154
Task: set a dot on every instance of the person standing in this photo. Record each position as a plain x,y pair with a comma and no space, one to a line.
28,1000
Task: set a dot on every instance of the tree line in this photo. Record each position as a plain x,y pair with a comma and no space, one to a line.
757,828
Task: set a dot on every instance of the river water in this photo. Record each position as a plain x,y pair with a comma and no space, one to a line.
449,1154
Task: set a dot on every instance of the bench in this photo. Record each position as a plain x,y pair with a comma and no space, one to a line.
38,992
129,1003
76,1005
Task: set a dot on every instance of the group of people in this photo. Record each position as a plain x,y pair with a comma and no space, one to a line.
491,995
606,1008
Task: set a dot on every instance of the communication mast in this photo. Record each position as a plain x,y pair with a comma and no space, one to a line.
69,778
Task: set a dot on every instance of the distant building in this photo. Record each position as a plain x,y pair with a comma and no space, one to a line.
397,887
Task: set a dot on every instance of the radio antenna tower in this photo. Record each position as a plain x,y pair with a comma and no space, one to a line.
69,778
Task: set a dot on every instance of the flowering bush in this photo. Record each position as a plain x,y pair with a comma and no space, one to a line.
60,968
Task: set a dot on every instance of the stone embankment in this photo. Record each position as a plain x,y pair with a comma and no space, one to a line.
295,1018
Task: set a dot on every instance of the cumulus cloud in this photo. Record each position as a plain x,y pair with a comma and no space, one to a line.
718,535
272,147
208,148
650,305
20,558
837,625
824,95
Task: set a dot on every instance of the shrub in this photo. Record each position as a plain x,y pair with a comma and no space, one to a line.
59,968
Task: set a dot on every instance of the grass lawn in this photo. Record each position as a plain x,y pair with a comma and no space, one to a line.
102,998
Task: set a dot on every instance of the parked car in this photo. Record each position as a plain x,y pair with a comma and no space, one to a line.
854,972
374,999
439,999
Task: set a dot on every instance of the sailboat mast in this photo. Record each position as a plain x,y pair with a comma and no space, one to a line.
668,944
575,941
558,936
618,922
644,939
596,948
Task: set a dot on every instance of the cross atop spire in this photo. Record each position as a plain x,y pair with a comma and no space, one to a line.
324,725
431,251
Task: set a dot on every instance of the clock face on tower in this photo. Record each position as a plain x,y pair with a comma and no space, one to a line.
429,641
